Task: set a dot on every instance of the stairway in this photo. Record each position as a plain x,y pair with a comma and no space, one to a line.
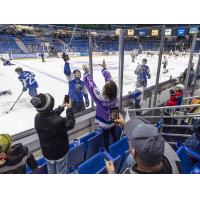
21,45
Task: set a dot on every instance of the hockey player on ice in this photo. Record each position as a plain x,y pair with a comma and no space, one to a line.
134,54
170,53
176,53
28,81
42,56
6,62
165,63
5,92
77,89
142,72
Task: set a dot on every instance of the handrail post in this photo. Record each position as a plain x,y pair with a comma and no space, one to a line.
197,72
121,67
190,64
159,65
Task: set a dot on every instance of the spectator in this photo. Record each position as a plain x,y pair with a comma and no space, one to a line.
13,158
191,75
105,100
151,154
193,142
52,131
172,99
77,89
179,93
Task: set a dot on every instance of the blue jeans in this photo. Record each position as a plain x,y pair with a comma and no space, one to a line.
57,166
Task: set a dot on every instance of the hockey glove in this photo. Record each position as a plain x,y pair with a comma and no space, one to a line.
24,89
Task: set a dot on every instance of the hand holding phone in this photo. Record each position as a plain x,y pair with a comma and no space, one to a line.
114,113
66,99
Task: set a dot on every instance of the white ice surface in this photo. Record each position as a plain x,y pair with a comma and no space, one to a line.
51,80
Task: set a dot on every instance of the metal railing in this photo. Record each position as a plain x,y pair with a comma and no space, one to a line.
172,111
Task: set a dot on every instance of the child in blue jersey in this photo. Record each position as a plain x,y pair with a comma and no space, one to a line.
142,73
28,81
77,89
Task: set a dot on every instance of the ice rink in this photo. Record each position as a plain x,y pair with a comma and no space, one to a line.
51,79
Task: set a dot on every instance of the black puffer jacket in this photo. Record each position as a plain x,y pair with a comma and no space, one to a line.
52,132
16,160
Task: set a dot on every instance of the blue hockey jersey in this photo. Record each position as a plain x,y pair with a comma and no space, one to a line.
77,89
28,80
142,72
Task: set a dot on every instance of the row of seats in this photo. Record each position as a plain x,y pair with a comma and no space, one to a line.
83,149
88,155
33,44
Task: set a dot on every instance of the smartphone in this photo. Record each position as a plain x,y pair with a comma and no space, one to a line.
66,99
114,113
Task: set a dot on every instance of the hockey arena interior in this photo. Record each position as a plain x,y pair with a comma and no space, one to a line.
99,99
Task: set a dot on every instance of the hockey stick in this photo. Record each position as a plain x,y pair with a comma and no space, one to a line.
15,102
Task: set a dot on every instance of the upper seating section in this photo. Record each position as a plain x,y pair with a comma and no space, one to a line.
8,44
32,43
80,44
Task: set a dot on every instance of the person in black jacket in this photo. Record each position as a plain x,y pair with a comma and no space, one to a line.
13,158
52,131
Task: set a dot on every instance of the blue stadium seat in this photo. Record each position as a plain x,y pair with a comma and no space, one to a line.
185,162
120,148
185,154
93,145
75,157
195,169
94,165
87,137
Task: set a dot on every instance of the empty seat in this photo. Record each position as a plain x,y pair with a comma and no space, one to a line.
94,165
185,162
121,149
75,157
87,137
93,145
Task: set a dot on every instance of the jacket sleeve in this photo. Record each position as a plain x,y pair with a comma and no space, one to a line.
93,90
70,120
67,71
67,122
59,110
106,74
31,162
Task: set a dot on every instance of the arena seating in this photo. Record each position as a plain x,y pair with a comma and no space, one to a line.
8,44
187,157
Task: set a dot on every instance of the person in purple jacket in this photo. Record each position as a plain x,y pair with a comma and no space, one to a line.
105,100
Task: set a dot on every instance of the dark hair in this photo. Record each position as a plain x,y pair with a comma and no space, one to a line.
18,69
110,90
76,70
145,60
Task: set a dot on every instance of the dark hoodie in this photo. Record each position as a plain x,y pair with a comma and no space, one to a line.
16,160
